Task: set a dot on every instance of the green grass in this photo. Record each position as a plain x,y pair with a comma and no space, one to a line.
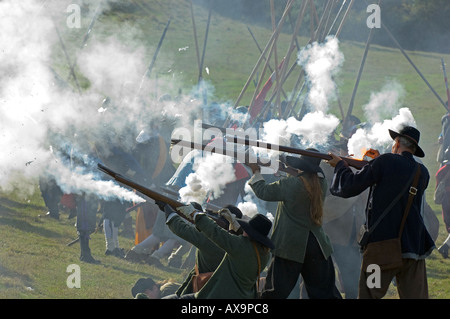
33,252
34,257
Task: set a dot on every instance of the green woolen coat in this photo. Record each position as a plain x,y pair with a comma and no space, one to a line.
292,223
208,254
237,274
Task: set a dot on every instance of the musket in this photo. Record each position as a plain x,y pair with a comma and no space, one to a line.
353,162
155,195
282,166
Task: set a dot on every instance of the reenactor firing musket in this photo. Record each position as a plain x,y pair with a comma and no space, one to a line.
155,195
353,162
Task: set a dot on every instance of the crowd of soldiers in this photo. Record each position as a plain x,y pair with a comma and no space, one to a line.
161,233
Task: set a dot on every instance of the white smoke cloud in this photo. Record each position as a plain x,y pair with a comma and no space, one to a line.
321,62
78,182
39,117
383,112
211,174
385,103
377,136
313,130
194,191
252,205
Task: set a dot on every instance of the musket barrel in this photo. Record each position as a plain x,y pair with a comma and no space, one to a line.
214,149
356,163
151,193
140,188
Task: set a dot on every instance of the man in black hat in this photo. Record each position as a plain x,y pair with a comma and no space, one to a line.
147,288
246,255
301,245
387,175
208,255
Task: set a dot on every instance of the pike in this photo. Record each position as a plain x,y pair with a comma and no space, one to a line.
353,162
72,71
446,84
411,62
268,46
155,195
358,78
155,55
86,37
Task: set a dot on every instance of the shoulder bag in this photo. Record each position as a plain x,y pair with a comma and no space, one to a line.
200,279
388,253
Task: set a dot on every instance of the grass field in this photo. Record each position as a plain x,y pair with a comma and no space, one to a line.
33,253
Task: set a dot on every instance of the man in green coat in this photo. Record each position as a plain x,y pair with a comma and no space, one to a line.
208,254
301,245
246,255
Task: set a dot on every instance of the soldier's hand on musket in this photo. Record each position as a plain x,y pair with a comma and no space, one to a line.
254,167
160,204
166,208
231,218
334,159
188,211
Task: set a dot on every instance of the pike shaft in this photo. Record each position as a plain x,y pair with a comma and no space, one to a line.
446,84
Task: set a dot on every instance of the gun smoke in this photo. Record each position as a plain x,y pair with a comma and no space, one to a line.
383,112
41,113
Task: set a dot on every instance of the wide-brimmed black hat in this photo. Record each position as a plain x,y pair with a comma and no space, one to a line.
142,285
258,228
412,134
305,163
